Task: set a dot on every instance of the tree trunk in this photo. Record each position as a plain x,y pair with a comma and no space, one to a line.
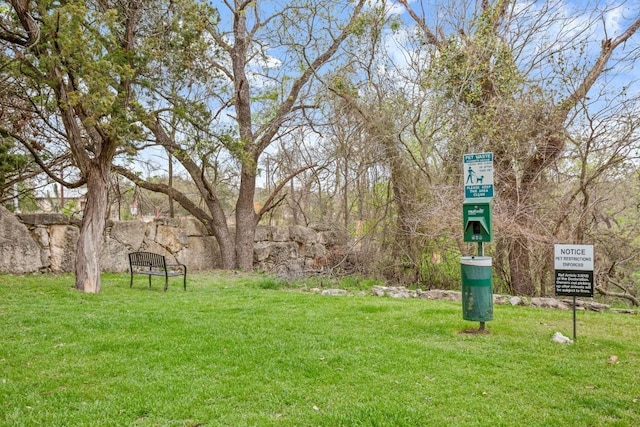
401,184
91,232
170,164
520,267
225,244
245,220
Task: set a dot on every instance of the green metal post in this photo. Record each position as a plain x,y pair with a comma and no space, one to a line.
481,253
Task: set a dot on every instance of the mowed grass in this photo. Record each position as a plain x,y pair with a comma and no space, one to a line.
234,351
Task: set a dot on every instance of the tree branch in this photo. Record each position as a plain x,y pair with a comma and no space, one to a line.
268,131
36,157
430,37
608,47
269,204
624,295
178,196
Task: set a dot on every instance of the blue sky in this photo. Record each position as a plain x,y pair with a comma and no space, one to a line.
595,20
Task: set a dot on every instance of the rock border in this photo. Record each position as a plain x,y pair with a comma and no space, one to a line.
402,292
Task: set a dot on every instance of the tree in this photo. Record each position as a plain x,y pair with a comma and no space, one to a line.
270,59
79,71
486,70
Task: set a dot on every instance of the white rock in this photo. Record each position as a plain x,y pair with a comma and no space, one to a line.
515,301
334,292
559,338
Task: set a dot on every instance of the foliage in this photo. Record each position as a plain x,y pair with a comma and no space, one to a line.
71,209
10,162
26,201
226,352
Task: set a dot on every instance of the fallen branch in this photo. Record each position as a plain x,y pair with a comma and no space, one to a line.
624,295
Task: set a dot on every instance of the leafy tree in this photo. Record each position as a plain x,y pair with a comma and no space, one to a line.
81,72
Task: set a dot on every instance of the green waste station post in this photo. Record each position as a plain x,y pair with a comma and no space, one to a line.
476,271
477,292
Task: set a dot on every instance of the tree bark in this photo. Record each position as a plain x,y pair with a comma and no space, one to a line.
520,267
246,220
92,229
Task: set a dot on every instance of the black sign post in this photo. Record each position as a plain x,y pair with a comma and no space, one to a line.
573,273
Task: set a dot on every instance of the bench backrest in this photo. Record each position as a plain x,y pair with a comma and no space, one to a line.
147,259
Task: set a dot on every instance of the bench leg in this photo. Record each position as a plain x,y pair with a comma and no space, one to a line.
131,281
166,282
149,281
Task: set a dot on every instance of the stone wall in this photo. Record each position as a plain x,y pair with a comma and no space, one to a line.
47,242
19,252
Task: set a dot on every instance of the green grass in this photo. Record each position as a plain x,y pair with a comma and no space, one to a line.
238,350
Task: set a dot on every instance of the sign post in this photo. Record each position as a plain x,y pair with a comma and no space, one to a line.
573,273
477,291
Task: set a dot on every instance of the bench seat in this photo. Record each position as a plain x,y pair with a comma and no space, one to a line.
153,264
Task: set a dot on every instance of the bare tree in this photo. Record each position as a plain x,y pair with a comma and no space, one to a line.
270,57
488,69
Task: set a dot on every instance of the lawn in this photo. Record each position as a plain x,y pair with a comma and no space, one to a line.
238,350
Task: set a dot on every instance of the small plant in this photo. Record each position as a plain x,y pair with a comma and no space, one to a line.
270,283
359,283
71,209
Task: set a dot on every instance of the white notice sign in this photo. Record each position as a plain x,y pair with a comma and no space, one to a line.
573,257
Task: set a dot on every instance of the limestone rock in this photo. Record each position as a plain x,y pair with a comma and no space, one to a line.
19,252
516,301
171,238
41,235
261,251
280,234
192,227
303,235
202,253
283,251
113,256
316,250
261,234
291,250
543,302
334,292
438,294
129,234
44,219
333,238
393,292
63,244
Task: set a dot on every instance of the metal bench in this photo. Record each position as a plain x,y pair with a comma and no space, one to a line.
152,264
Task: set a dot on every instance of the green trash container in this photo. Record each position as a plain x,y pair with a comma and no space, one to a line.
477,292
